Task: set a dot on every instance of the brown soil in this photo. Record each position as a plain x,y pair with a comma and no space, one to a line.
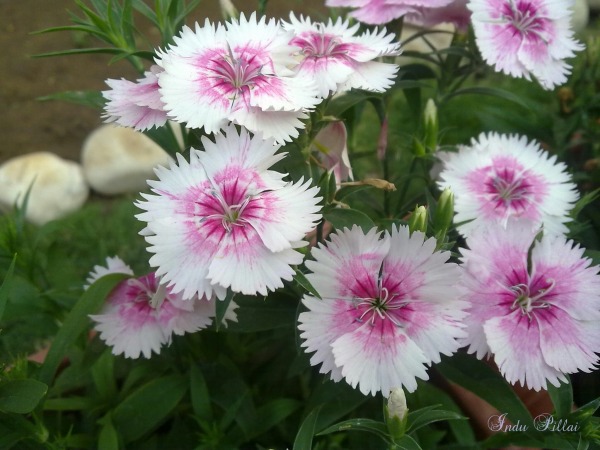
28,125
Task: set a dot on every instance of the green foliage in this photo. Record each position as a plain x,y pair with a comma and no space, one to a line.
249,384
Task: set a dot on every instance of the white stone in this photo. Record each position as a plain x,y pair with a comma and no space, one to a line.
581,15
118,160
58,186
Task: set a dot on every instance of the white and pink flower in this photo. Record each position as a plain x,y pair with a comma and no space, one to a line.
389,308
224,220
536,311
377,12
240,72
141,315
137,105
499,177
339,60
526,37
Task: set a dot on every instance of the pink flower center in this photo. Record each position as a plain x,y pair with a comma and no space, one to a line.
235,75
524,17
509,189
319,45
146,292
530,298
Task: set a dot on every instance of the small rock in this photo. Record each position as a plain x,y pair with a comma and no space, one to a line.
59,187
581,15
117,160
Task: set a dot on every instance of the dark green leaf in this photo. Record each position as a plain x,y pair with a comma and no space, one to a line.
301,279
342,218
67,404
407,443
21,396
76,322
494,92
481,379
200,395
148,406
260,314
562,398
370,426
222,306
425,416
108,439
341,104
304,438
273,413
6,286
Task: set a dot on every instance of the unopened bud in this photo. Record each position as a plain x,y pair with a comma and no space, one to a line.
228,10
444,213
396,413
430,119
418,220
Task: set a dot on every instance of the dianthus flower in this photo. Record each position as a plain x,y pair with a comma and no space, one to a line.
377,12
338,60
223,220
526,37
140,315
137,105
389,308
499,177
240,73
536,311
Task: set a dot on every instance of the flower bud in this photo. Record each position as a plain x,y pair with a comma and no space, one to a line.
418,220
444,212
430,120
396,413
228,10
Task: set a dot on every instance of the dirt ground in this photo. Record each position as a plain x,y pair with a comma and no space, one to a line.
28,125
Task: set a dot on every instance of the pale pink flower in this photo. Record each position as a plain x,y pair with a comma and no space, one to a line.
339,60
140,315
526,37
330,144
537,315
240,73
389,308
499,177
137,105
377,12
224,220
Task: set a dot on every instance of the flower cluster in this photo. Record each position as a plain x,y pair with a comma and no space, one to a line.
141,315
264,76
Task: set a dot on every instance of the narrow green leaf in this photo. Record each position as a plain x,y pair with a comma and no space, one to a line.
494,92
341,104
407,443
21,396
273,413
148,406
368,425
301,279
304,437
6,286
221,307
93,99
103,375
16,428
425,416
108,439
67,404
481,379
76,322
200,395
80,51
258,314
342,218
562,399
